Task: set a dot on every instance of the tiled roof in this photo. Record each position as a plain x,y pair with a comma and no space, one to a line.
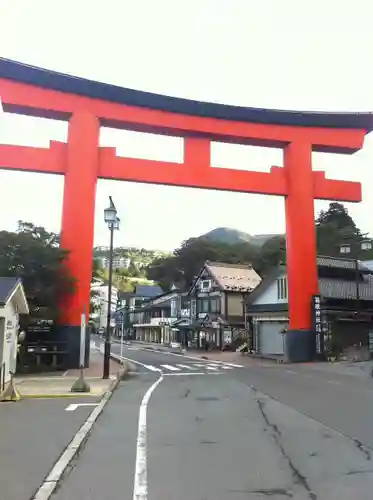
323,261
367,264
7,285
330,288
343,289
148,290
234,277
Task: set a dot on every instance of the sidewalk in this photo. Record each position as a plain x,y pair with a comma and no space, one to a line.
36,430
54,385
358,369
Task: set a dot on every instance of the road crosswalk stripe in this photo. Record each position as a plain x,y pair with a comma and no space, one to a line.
193,367
152,368
171,368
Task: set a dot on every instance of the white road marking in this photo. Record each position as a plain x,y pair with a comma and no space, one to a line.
152,368
73,407
171,368
291,372
184,374
232,365
140,488
211,367
187,367
148,367
335,382
196,358
226,367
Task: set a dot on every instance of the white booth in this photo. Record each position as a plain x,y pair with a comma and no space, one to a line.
13,302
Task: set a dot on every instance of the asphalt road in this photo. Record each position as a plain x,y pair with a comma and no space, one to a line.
221,437
34,433
341,401
146,361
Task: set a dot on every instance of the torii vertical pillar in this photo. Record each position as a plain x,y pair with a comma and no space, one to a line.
78,223
300,250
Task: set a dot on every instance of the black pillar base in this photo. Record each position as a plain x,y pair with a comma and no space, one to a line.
300,346
71,335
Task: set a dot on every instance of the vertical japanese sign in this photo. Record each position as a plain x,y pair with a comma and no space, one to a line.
316,321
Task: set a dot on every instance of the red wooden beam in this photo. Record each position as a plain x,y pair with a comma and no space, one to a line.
44,160
23,98
330,189
195,172
176,174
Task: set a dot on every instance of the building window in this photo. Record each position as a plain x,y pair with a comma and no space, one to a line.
193,308
202,306
215,305
345,249
282,288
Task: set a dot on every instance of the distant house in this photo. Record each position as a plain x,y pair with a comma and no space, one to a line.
158,315
101,301
346,295
129,307
217,299
13,302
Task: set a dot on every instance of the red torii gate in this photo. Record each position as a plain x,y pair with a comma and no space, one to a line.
87,104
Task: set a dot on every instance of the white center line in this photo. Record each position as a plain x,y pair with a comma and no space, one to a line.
140,488
171,368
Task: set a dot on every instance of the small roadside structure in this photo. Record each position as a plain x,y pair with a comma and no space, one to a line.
13,303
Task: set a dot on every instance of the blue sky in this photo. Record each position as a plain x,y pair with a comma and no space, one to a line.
269,53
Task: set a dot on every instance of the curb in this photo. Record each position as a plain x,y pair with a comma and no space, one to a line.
53,479
62,395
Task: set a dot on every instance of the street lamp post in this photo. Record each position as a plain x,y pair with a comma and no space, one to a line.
112,220
121,333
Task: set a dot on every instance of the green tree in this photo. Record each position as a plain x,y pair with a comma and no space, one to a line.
97,270
271,254
165,272
33,255
188,260
335,227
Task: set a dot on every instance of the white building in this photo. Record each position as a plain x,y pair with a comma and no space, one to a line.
118,262
101,301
